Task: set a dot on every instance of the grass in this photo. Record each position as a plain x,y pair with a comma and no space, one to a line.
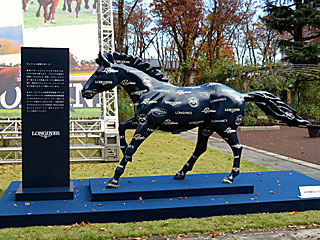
10,113
169,153
78,112
85,112
161,153
62,18
211,225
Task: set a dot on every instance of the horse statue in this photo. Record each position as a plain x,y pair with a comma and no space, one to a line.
212,107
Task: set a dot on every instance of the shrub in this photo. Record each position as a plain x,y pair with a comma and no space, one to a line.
125,105
254,116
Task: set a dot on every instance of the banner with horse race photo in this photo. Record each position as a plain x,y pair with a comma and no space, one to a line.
48,23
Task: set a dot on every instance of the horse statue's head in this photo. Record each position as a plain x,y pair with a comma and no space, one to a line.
103,79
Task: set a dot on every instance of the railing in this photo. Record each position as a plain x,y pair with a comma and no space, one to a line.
90,140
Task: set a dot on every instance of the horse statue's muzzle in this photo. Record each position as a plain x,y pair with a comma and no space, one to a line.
88,94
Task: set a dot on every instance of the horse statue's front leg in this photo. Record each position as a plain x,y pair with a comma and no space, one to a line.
131,123
139,136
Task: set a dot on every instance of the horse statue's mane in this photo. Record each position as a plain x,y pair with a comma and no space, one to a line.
136,62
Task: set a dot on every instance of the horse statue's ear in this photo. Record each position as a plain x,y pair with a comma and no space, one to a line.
104,60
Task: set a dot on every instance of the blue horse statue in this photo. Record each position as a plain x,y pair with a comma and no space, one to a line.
159,105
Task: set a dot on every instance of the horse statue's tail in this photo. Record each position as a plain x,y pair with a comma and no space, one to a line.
274,107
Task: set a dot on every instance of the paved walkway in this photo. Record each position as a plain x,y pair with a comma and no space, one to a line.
270,160
292,234
287,141
275,162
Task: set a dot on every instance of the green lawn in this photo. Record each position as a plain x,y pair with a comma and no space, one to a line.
78,112
85,112
160,154
62,17
10,113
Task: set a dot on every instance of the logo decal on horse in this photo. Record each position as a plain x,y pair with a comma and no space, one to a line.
101,82
147,101
196,122
193,102
158,112
229,130
289,115
109,70
238,119
237,146
182,92
122,62
232,110
161,90
220,121
142,119
206,132
207,94
183,113
169,122
138,93
147,82
208,110
172,103
138,137
218,100
126,82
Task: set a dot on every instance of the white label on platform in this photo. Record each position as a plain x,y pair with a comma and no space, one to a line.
309,191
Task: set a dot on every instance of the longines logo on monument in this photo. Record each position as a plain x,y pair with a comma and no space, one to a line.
45,134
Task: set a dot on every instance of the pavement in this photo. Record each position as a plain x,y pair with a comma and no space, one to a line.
270,160
267,159
292,234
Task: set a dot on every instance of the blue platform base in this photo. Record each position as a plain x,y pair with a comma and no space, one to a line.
165,187
49,193
273,192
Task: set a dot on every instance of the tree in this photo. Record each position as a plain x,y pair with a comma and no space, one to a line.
166,51
265,39
123,14
183,21
141,35
301,20
223,20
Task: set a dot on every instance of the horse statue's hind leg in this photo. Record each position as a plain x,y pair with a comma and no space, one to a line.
131,123
232,139
201,147
139,136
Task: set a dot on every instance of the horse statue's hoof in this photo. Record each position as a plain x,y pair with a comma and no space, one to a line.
227,180
179,176
112,184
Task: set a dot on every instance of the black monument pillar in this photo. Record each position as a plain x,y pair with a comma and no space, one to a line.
45,125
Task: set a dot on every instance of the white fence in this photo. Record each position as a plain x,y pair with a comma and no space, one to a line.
90,140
